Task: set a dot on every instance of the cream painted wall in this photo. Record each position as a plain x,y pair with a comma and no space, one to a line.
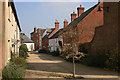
1,11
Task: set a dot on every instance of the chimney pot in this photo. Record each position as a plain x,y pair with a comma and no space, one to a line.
56,24
65,23
80,5
35,29
73,16
80,10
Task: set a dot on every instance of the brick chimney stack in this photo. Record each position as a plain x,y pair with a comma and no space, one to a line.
35,29
73,16
100,1
65,23
56,24
80,10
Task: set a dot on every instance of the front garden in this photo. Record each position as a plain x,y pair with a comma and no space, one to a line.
15,69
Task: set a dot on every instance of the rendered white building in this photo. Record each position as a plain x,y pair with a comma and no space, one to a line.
27,41
55,42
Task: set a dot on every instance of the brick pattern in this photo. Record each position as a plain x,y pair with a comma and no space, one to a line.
35,36
106,36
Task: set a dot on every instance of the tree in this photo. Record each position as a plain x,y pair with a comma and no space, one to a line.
23,51
71,41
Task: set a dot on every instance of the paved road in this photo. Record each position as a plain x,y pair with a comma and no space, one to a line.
46,66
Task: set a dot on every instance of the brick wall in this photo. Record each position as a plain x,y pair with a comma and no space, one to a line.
45,43
35,38
106,36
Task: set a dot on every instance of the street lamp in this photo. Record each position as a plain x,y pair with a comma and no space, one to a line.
99,8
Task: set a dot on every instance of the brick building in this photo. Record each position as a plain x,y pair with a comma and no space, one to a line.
106,36
36,36
84,24
45,39
48,34
97,27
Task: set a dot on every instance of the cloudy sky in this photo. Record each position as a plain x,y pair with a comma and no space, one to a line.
44,14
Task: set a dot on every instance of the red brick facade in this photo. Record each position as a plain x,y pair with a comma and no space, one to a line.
45,43
106,36
99,28
35,36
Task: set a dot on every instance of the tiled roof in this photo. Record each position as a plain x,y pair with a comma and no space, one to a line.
81,17
49,32
56,34
25,39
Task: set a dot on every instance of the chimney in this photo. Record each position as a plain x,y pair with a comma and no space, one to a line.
99,1
65,23
56,24
35,29
80,10
73,16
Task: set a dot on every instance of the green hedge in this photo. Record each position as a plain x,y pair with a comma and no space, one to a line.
19,61
23,51
15,69
12,71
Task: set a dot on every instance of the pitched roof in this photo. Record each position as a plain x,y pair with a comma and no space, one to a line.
25,39
49,32
56,34
15,13
81,17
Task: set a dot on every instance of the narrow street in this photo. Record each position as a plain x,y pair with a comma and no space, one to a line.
46,66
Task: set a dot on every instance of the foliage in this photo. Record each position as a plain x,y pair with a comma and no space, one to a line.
12,56
97,60
55,53
42,51
19,61
113,59
12,71
23,51
109,59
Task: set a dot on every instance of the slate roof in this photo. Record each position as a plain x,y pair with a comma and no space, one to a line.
56,34
49,32
15,13
81,17
25,39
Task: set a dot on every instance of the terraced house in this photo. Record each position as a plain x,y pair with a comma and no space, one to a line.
36,36
9,32
97,27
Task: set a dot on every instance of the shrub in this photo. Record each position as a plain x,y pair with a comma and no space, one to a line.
23,51
113,60
19,61
55,53
12,71
95,60
22,54
42,51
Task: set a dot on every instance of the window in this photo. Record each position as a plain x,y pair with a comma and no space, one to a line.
60,43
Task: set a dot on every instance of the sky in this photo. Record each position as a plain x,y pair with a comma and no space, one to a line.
44,14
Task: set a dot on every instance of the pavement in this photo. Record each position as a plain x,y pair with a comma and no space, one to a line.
43,67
